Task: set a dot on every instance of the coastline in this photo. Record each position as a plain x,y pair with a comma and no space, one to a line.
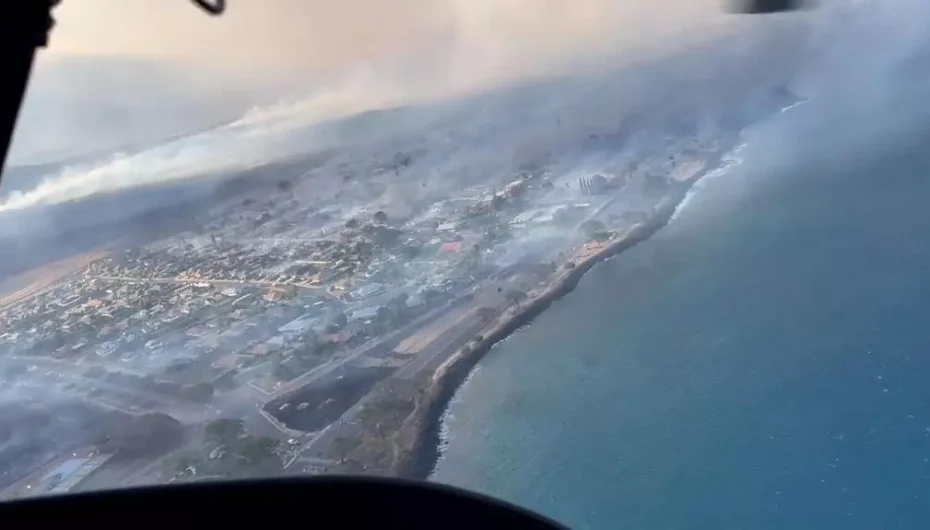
418,441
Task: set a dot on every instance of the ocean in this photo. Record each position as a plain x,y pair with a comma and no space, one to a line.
762,362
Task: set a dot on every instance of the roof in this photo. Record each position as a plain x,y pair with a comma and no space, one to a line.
524,217
69,473
300,324
366,312
452,246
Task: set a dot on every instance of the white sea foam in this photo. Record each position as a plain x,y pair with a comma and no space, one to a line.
448,417
729,160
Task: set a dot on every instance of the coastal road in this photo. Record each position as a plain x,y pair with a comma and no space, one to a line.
212,281
437,351
374,346
432,356
429,358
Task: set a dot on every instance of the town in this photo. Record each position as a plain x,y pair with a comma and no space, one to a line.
292,330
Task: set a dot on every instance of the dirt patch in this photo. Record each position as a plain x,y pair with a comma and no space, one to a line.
23,286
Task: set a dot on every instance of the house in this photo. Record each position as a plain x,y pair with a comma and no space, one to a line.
274,294
365,313
365,291
254,372
451,246
94,303
226,362
262,349
300,325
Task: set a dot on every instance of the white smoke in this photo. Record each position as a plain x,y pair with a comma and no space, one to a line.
417,51
463,47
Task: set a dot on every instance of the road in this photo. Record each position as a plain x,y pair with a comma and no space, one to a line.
433,355
439,349
374,346
212,281
430,357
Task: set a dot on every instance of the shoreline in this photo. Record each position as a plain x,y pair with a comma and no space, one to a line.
417,457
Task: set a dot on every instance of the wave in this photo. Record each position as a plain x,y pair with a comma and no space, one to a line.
729,161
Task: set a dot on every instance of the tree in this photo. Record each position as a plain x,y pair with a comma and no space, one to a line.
655,182
486,313
283,372
337,323
224,430
285,185
498,232
398,304
601,235
401,160
599,184
352,223
593,226
345,445
184,464
410,251
200,392
259,449
146,434
372,418
431,295
515,296
381,217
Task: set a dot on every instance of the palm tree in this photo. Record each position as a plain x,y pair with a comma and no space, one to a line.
515,296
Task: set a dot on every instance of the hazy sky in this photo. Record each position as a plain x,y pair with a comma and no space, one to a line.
131,71
313,38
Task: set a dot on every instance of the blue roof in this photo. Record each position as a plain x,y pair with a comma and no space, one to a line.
63,472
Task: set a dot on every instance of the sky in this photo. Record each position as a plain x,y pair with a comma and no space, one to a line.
317,37
376,50
120,75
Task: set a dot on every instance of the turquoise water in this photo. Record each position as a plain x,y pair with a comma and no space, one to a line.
763,362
